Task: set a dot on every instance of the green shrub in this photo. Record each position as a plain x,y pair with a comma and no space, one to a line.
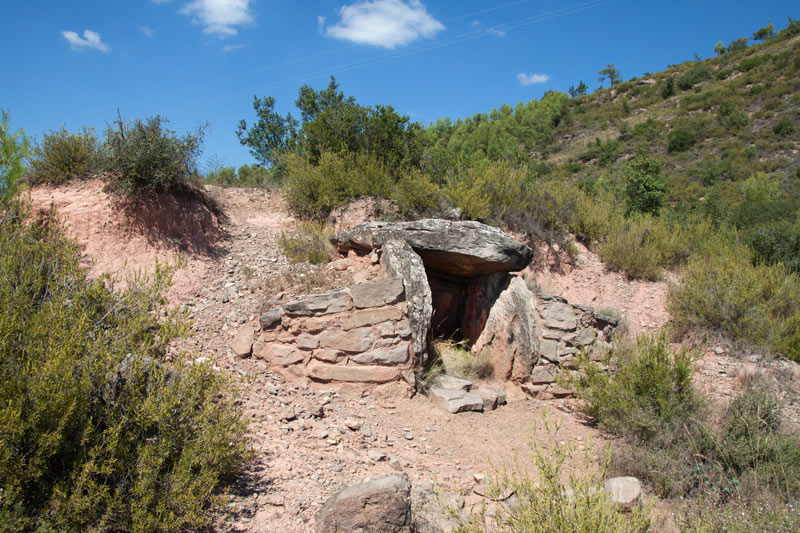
145,158
14,149
309,242
669,88
651,388
784,127
732,116
777,242
727,292
63,156
416,195
644,187
98,431
699,72
642,246
314,190
680,140
556,491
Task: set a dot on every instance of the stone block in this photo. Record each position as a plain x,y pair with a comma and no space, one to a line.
458,401
352,341
377,293
369,317
559,316
271,318
320,304
452,383
242,343
282,355
382,504
492,398
327,355
543,375
396,355
307,342
351,373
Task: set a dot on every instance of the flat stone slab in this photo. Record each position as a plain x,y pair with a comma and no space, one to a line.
559,316
624,491
459,248
492,398
326,303
453,383
458,401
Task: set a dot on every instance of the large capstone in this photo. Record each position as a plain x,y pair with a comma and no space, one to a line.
463,249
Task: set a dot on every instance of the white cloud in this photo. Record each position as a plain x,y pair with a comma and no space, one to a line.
90,39
497,32
475,23
385,23
219,17
531,78
147,30
231,47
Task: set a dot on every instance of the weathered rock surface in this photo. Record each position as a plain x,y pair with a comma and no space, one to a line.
511,333
381,292
326,303
242,343
559,316
452,383
492,398
464,249
398,259
624,491
458,401
382,504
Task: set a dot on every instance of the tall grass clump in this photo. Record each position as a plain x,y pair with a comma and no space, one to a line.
63,156
556,490
642,246
143,157
309,242
98,431
456,359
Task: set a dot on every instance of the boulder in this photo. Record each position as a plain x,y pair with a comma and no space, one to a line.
463,249
624,491
398,259
511,333
382,504
458,401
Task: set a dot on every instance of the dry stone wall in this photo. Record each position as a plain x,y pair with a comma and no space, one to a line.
359,335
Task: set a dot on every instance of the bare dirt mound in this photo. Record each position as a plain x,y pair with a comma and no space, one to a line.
125,240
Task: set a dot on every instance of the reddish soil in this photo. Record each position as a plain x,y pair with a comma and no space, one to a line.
231,270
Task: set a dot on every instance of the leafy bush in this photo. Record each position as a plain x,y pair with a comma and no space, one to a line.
313,191
416,195
309,243
14,148
732,116
487,191
778,242
555,492
642,246
727,292
680,140
650,388
63,156
97,430
699,72
145,158
784,127
644,187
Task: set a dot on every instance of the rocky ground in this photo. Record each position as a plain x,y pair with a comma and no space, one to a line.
311,441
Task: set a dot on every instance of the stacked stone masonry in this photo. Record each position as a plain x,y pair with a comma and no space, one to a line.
360,334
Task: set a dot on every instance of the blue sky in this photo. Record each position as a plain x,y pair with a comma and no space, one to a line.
75,63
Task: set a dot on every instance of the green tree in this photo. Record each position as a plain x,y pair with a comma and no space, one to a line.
767,32
611,74
719,48
14,149
270,135
580,90
644,186
738,44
